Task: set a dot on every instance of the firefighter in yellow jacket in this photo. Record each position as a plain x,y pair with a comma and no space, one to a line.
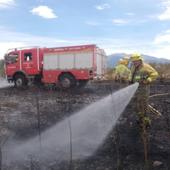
145,75
122,72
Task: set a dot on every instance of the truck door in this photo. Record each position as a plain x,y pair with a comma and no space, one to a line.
30,61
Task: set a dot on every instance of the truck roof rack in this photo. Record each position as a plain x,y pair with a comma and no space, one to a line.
22,48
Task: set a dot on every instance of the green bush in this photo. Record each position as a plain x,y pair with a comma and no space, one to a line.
2,71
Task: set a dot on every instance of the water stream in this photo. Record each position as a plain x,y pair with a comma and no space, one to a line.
4,83
81,134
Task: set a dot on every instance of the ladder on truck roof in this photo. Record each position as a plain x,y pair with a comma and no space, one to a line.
52,48
21,48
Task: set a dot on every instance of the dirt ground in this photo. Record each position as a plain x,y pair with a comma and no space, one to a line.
25,113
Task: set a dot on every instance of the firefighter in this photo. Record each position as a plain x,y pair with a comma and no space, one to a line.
122,72
144,74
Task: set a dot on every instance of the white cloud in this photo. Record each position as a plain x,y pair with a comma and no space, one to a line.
165,15
162,51
44,11
102,6
160,46
4,46
167,31
6,3
11,39
163,38
120,21
130,46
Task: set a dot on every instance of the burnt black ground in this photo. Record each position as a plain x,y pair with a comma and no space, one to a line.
123,149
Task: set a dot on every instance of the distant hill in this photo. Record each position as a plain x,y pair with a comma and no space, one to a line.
114,58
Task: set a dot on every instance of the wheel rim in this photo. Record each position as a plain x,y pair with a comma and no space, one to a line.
19,82
66,83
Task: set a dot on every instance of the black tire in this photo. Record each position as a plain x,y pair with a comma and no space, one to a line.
20,81
37,80
67,81
82,83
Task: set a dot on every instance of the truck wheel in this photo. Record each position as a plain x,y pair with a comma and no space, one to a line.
67,81
82,83
37,80
20,81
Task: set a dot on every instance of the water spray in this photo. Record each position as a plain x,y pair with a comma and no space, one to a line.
87,131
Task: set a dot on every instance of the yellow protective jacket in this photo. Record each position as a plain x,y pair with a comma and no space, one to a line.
122,73
144,73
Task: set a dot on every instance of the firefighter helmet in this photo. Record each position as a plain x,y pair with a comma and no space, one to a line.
136,57
124,61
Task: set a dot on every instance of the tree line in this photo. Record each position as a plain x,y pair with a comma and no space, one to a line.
2,72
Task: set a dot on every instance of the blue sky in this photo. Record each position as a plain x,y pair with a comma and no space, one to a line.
115,25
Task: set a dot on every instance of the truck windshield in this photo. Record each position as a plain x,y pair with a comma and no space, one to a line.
11,58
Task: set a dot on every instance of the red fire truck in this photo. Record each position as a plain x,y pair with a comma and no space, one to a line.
66,66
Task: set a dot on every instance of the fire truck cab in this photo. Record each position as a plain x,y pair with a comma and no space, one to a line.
66,66
23,65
